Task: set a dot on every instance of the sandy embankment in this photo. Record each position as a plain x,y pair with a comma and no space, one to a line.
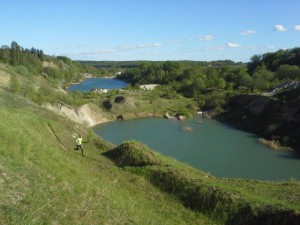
4,79
88,114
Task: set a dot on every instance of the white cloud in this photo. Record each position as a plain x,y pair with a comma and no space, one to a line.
297,27
270,47
206,38
103,51
233,45
132,47
120,48
213,48
279,28
151,45
156,45
248,32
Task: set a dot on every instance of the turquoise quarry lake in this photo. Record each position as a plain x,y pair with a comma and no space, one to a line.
101,83
209,146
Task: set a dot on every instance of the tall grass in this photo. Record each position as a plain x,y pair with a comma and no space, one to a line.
217,198
44,181
274,144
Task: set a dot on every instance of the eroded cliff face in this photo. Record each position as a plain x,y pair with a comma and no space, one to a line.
274,118
88,114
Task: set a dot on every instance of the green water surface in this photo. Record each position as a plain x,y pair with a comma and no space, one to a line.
208,145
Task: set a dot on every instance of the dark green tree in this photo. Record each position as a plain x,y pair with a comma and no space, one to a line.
288,72
255,61
15,52
4,54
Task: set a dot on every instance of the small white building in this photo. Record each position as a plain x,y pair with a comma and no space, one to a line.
149,87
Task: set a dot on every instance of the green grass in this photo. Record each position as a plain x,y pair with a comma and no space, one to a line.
141,103
233,201
44,181
132,154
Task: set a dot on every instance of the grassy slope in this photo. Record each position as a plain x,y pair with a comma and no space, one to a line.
140,103
282,194
43,181
235,201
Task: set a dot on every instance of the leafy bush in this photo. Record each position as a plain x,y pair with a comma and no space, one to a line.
106,104
119,99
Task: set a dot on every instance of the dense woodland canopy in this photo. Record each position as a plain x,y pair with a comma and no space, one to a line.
209,83
260,74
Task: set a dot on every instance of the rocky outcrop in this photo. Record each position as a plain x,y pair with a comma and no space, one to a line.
287,85
178,117
88,114
168,116
276,118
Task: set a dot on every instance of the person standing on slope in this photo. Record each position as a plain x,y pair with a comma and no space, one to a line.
79,143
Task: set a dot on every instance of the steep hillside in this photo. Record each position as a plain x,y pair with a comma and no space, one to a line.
276,118
44,181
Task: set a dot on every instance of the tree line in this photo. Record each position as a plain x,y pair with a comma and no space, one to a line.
211,85
34,61
27,65
260,74
272,61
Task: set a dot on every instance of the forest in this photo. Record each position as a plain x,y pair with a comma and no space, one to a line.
211,84
260,74
34,61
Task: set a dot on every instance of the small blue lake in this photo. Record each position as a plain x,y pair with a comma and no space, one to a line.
101,83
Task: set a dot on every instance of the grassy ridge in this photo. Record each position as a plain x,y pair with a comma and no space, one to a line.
44,181
232,201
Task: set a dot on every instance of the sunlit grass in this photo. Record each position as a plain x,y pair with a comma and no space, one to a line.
44,181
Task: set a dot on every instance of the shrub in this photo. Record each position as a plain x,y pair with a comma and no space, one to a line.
106,104
132,153
119,99
21,70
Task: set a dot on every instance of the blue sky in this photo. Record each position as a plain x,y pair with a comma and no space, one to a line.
152,30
